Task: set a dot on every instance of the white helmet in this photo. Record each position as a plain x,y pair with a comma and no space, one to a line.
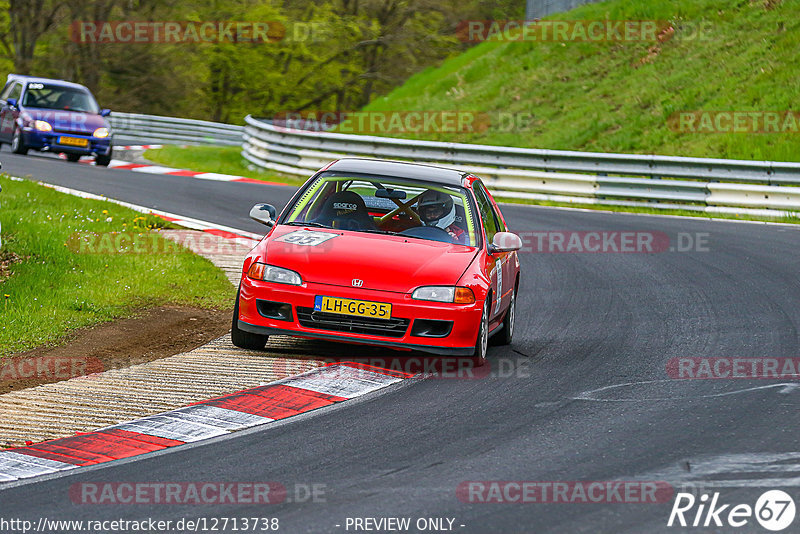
436,209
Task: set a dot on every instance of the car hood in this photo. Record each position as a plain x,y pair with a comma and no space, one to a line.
382,262
68,121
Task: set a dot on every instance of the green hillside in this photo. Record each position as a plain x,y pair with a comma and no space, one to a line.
724,55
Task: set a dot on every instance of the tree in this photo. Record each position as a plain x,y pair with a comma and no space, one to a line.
29,20
357,50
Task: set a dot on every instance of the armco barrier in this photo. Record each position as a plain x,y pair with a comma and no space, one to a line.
761,188
152,129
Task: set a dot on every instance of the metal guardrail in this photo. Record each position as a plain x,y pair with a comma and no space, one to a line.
762,188
154,129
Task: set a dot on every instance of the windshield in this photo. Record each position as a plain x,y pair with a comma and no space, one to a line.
42,95
378,204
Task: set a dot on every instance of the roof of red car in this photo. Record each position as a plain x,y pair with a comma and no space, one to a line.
399,169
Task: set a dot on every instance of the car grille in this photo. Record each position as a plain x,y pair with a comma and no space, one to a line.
71,132
309,318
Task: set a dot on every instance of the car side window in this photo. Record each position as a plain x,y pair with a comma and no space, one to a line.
501,227
488,217
6,91
15,91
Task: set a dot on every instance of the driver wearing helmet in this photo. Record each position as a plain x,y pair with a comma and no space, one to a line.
437,209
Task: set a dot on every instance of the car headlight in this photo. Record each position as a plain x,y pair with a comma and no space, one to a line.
101,133
270,273
43,126
455,295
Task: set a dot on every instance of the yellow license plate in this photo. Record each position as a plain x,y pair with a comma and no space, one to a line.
359,308
73,141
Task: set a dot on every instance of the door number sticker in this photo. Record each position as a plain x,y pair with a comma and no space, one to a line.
306,238
499,271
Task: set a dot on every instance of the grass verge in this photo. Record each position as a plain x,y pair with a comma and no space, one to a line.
48,290
222,160
616,96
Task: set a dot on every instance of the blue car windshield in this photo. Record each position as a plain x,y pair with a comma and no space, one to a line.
45,96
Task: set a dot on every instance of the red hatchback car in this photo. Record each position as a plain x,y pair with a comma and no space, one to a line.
383,253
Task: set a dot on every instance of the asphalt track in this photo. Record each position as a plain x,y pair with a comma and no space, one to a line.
585,322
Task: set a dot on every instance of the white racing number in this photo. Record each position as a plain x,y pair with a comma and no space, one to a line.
499,269
306,238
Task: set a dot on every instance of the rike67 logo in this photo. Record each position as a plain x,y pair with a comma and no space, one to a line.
774,510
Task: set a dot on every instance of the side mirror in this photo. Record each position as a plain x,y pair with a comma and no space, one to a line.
505,242
12,102
105,112
264,213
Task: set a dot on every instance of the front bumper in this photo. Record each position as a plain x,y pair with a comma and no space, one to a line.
460,341
49,142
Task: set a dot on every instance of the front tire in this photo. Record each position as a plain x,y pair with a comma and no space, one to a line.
504,336
103,161
18,144
242,339
482,343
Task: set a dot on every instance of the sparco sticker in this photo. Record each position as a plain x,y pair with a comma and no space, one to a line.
306,238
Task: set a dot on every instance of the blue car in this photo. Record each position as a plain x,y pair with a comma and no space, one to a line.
53,116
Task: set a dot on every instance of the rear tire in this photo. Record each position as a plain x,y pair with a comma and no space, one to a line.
504,336
482,343
18,144
72,158
242,339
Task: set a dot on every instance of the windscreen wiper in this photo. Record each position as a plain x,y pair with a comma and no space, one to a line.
314,224
384,232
